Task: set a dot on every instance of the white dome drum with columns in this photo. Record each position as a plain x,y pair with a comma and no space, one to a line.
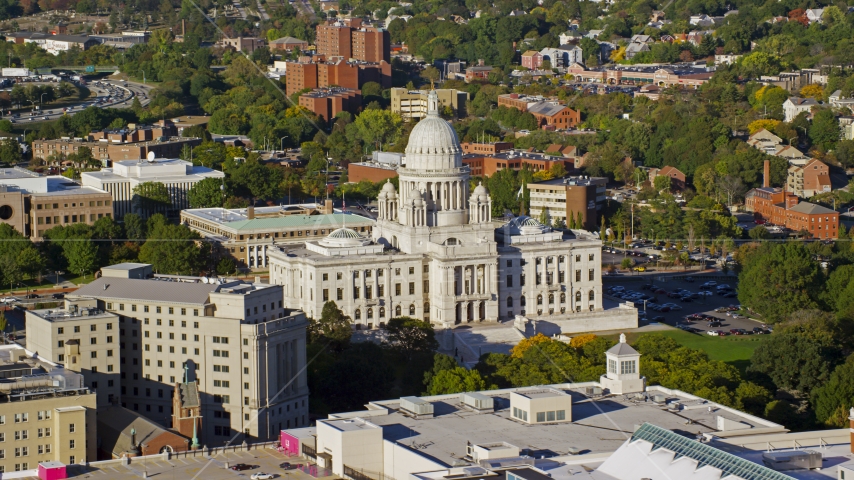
436,254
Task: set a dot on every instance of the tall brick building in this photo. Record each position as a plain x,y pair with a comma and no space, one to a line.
340,73
350,40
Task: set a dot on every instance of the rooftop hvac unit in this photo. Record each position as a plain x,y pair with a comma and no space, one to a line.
416,405
477,401
593,390
659,398
792,460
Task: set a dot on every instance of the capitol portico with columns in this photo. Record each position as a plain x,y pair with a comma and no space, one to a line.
437,254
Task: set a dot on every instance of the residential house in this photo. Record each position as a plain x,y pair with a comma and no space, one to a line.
814,14
793,106
478,72
726,59
635,48
643,39
569,36
809,180
701,20
837,100
569,151
532,59
517,13
677,178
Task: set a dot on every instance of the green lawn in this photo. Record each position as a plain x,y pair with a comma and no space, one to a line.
735,350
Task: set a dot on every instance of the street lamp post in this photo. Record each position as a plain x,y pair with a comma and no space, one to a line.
282,143
41,99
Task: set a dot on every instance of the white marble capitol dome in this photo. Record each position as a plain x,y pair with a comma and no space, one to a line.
433,143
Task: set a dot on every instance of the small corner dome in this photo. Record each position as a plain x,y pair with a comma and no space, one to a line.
415,198
480,193
525,225
389,188
344,237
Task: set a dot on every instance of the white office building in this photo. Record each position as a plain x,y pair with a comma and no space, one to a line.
178,176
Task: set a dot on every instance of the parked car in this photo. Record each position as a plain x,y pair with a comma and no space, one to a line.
261,476
241,466
658,319
714,333
715,324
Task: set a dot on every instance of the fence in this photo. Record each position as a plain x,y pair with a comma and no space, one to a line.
361,474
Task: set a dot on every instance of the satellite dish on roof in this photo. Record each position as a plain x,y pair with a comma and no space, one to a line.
204,279
150,156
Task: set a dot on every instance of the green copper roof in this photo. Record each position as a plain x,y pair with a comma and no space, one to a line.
704,454
298,221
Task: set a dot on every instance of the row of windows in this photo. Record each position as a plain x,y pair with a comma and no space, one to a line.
549,278
398,311
551,416
92,341
591,296
92,203
92,328
145,309
69,219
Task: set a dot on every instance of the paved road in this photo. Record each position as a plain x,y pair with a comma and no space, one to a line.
106,95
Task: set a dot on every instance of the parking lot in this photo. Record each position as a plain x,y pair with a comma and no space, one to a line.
658,301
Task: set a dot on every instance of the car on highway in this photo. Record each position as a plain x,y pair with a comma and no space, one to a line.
58,296
261,476
242,466
640,269
9,299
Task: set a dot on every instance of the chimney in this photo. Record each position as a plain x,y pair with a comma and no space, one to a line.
250,213
327,207
791,200
766,176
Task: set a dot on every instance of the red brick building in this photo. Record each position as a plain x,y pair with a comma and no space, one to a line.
546,112
677,178
328,102
780,207
490,148
350,40
333,40
487,165
373,172
352,75
532,60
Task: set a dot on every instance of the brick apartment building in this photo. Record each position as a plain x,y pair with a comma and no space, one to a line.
808,180
350,40
487,165
546,112
306,74
780,207
328,102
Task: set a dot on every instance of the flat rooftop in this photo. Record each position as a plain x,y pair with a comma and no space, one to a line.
350,425
600,424
63,315
238,219
541,393
572,181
